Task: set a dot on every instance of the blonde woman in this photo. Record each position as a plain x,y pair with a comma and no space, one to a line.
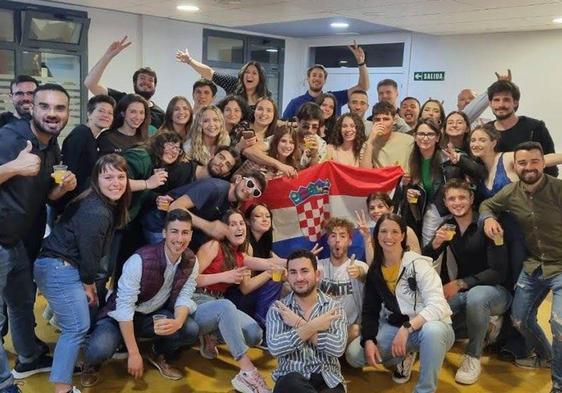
207,133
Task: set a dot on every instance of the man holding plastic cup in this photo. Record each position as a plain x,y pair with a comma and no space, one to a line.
474,271
536,202
153,300
343,277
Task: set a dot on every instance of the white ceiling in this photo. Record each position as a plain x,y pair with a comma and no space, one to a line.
425,16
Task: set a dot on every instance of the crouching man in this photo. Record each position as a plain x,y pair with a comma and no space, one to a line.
152,300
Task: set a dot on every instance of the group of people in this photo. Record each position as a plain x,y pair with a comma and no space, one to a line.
156,231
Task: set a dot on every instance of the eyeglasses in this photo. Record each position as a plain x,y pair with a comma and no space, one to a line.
172,147
309,126
252,186
430,135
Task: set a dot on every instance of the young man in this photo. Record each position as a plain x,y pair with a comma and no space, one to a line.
387,91
385,147
504,98
210,198
359,104
306,332
144,81
28,151
79,149
474,273
536,202
343,277
21,96
158,280
204,92
410,111
309,121
316,76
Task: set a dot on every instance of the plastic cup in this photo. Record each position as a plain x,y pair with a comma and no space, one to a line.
164,205
412,199
277,275
59,171
498,240
156,170
155,319
309,142
451,231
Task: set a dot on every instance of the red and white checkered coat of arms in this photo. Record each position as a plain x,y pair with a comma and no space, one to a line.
313,207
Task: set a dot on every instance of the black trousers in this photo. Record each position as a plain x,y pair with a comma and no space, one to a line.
295,382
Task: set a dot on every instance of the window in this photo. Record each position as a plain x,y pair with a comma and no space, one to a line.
376,55
49,44
227,52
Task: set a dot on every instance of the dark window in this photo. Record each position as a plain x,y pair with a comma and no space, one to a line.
376,55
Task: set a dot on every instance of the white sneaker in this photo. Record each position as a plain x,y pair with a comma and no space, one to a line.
250,382
494,327
403,370
469,371
75,390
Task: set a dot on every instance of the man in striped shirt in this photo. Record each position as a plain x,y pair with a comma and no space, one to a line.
306,332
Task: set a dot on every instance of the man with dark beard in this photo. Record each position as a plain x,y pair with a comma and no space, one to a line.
536,202
28,151
306,332
144,81
504,98
21,94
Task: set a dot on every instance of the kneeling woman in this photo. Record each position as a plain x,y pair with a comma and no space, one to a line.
416,316
221,265
69,260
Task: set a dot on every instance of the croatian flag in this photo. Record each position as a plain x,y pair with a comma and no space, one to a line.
300,205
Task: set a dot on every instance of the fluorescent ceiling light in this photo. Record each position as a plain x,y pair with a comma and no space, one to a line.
557,20
188,8
339,25
272,50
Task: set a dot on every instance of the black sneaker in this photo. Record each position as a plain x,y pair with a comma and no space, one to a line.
11,389
40,365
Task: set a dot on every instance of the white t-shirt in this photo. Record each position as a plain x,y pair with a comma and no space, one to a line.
335,281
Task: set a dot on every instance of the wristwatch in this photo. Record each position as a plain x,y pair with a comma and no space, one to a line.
408,326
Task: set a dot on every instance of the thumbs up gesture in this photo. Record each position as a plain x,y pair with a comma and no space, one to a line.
26,163
353,270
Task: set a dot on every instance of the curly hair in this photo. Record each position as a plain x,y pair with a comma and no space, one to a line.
199,152
360,136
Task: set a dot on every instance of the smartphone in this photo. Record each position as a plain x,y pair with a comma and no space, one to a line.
248,134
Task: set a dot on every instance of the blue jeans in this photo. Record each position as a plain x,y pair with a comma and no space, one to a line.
530,291
106,337
257,303
472,310
18,292
61,285
432,341
237,328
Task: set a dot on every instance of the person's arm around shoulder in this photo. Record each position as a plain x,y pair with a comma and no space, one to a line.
491,207
92,80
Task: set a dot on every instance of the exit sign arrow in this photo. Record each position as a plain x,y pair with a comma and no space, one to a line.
429,75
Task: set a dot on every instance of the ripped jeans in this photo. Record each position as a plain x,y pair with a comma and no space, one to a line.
530,291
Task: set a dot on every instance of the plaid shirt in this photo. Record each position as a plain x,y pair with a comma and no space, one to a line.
295,355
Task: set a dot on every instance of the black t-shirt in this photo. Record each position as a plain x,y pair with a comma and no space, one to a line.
525,130
6,117
156,113
113,141
80,152
22,198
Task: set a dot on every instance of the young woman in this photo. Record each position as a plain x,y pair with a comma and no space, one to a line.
129,128
70,257
457,132
250,84
178,117
328,103
234,110
348,139
265,118
207,133
221,265
433,109
415,317
379,203
423,207
283,147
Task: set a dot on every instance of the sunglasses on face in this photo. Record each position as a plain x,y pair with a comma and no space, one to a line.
252,186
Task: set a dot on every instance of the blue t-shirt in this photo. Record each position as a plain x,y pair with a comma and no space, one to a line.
294,105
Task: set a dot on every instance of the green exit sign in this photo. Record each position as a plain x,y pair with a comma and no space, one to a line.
429,75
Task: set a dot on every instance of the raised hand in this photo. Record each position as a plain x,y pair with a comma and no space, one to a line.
504,77
27,163
183,56
453,155
316,249
117,46
361,218
157,179
353,270
357,52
